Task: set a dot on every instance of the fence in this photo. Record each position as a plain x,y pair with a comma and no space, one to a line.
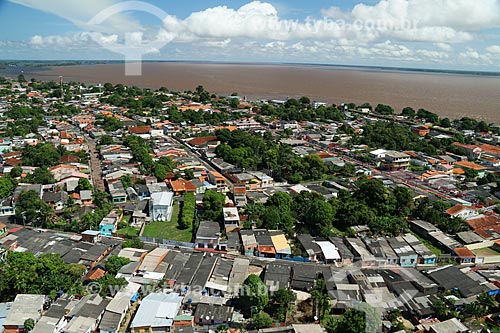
165,243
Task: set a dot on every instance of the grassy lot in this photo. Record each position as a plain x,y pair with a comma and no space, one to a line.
130,231
168,230
487,251
429,245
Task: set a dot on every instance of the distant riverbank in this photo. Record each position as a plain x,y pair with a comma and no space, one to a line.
449,94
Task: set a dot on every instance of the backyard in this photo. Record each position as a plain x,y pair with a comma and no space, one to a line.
429,245
168,230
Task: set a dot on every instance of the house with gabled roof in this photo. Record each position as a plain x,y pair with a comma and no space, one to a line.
462,212
141,131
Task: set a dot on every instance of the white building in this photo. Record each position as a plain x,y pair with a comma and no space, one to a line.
160,206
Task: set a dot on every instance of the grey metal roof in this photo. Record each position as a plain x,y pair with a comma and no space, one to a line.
308,244
157,310
452,277
216,313
110,321
208,229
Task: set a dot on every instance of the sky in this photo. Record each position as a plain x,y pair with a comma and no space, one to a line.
445,34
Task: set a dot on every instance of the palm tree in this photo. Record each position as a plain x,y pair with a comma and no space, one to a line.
321,303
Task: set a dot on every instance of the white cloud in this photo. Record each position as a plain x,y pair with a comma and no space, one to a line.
259,20
444,47
433,55
470,54
219,43
334,13
81,12
81,40
436,21
493,49
455,14
392,30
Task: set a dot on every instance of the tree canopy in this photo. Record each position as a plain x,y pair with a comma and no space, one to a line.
254,294
23,273
213,202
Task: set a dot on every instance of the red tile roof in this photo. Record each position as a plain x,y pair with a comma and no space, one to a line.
464,252
455,209
239,190
140,130
470,165
202,140
483,222
70,159
182,185
487,148
95,274
12,162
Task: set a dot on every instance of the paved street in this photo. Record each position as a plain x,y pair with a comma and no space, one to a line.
95,164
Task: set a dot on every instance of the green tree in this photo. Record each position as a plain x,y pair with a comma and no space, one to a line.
234,103
280,302
23,273
254,294
16,172
384,109
41,155
30,208
100,198
84,184
445,122
305,101
213,202
281,200
114,263
7,186
256,210
315,212
109,283
188,209
108,87
428,116
167,162
106,140
408,112
126,181
222,329
135,243
375,195
441,309
29,324
355,321
160,172
42,175
275,219
404,200
111,124
261,320
470,174
189,174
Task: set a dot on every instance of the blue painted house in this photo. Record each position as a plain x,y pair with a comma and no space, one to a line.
407,256
425,256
